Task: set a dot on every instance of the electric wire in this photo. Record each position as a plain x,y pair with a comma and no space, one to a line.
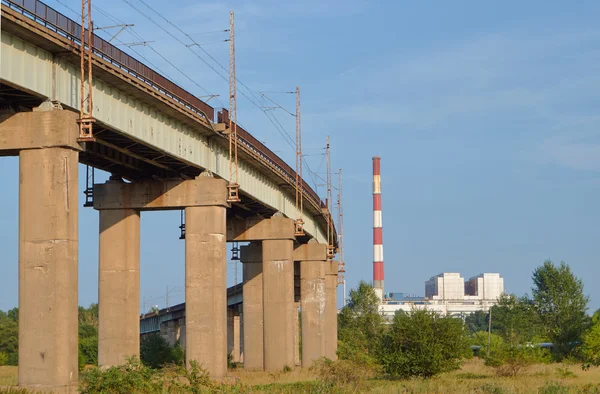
270,116
253,100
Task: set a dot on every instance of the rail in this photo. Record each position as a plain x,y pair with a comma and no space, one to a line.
66,27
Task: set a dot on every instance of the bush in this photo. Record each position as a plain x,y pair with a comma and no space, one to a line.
360,327
512,360
156,352
3,358
88,351
136,378
133,377
554,388
422,343
342,374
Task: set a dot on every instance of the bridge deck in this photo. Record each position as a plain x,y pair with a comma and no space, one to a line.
146,125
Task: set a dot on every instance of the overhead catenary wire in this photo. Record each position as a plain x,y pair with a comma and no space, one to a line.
274,121
254,97
136,35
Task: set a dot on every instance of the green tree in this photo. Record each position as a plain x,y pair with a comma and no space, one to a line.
590,349
423,343
561,305
89,316
9,336
477,321
515,320
88,335
155,351
360,326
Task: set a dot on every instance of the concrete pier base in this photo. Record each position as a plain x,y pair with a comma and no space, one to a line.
331,309
312,285
278,301
233,335
296,334
48,241
118,286
205,288
251,257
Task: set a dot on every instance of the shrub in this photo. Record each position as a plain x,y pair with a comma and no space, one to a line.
489,388
554,388
132,377
156,352
88,351
422,343
342,374
565,373
3,359
512,360
360,327
136,378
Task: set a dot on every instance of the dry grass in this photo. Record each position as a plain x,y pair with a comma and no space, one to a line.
261,378
474,377
8,376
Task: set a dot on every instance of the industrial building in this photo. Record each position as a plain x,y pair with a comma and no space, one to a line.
449,294
446,293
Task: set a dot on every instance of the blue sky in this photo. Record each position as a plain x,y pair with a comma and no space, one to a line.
485,116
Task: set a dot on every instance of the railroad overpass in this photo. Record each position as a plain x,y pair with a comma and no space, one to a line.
165,151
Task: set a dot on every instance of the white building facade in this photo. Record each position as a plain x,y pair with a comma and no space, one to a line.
449,294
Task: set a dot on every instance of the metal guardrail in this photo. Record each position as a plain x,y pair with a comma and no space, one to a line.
49,17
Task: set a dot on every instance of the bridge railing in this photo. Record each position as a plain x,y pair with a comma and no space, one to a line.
266,154
59,23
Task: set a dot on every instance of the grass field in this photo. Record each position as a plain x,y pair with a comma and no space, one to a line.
473,377
8,376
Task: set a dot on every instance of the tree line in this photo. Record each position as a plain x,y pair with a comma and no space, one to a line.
154,349
551,325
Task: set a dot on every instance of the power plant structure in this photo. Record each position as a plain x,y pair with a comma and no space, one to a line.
449,294
446,293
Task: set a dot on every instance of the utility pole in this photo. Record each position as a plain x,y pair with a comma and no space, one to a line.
299,224
233,186
86,118
167,299
489,333
341,264
330,248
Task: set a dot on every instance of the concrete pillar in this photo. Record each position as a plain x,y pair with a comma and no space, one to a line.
312,278
331,310
118,286
205,288
241,337
48,209
278,303
297,351
233,334
251,257
182,337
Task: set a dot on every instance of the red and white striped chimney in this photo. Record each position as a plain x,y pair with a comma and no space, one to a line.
377,229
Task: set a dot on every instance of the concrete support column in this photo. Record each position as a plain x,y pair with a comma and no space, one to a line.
251,257
118,286
182,337
296,334
278,301
312,285
48,242
233,334
241,337
205,288
331,310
